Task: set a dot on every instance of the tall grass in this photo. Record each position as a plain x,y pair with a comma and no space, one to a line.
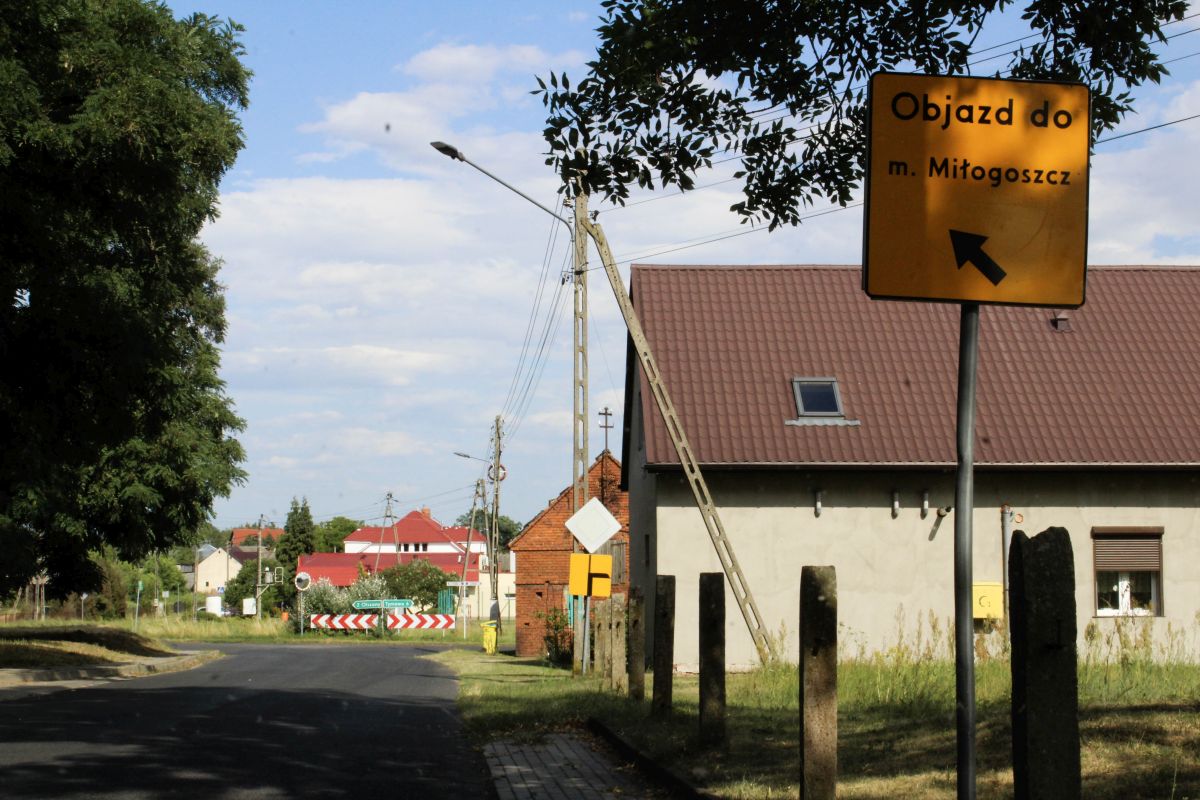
1123,663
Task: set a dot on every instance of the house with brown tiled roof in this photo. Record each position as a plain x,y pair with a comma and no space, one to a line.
543,553
825,426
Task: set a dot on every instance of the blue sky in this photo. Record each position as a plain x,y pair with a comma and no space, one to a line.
379,294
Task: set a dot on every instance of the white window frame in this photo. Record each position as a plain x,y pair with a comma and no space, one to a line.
1125,597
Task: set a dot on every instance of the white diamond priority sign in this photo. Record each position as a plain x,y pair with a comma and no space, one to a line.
593,525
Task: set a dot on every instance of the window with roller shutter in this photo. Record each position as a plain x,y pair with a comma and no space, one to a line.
1128,566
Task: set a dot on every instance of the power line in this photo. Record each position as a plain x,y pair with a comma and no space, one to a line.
1144,130
533,311
858,87
734,234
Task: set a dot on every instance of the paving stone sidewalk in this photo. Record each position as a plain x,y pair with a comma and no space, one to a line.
563,766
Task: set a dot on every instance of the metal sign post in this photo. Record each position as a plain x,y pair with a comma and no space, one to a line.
302,581
976,192
964,506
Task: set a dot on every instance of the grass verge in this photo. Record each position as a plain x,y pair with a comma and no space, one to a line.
893,740
51,646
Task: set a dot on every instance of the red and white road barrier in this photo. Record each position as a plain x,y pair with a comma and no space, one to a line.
420,621
344,622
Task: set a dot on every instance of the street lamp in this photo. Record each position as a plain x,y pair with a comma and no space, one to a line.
450,151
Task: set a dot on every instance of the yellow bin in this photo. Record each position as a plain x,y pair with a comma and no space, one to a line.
489,637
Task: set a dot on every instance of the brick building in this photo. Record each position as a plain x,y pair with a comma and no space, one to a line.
544,548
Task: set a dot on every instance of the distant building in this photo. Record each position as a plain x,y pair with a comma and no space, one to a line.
544,547
215,569
248,537
825,425
415,532
417,536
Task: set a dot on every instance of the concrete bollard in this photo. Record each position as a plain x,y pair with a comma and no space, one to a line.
712,658
664,644
818,683
637,644
1045,685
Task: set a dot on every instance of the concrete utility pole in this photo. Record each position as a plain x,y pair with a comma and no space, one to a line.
387,519
258,584
579,353
674,426
480,495
607,426
494,539
683,449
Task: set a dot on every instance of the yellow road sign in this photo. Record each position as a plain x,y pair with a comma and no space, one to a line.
976,190
590,575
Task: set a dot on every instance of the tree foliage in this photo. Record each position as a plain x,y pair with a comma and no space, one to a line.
118,123
418,580
299,538
331,534
299,535
244,583
509,528
782,86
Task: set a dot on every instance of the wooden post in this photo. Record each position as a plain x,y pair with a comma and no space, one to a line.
620,666
1045,686
664,644
818,683
637,644
712,657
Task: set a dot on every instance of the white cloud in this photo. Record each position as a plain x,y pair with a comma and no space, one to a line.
449,64
375,324
1142,206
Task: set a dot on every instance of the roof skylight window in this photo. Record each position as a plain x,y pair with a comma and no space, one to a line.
817,397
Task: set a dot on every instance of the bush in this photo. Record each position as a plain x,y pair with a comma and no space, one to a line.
558,638
367,587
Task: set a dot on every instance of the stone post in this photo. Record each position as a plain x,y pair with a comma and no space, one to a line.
602,642
1045,687
620,665
664,644
712,657
637,644
818,683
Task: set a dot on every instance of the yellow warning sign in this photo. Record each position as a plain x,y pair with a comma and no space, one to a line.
987,600
976,190
590,575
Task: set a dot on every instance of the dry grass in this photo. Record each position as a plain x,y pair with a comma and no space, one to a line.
45,646
894,740
109,638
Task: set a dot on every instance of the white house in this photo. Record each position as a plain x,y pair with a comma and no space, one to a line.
825,425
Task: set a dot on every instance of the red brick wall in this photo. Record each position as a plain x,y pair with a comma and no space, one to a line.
544,553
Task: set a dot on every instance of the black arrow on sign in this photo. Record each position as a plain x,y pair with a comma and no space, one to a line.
969,247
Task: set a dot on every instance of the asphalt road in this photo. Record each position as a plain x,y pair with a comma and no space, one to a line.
266,721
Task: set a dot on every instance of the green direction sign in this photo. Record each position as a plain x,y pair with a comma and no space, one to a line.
363,605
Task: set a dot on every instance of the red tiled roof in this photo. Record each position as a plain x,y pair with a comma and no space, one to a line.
458,534
341,569
240,535
1116,389
412,527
